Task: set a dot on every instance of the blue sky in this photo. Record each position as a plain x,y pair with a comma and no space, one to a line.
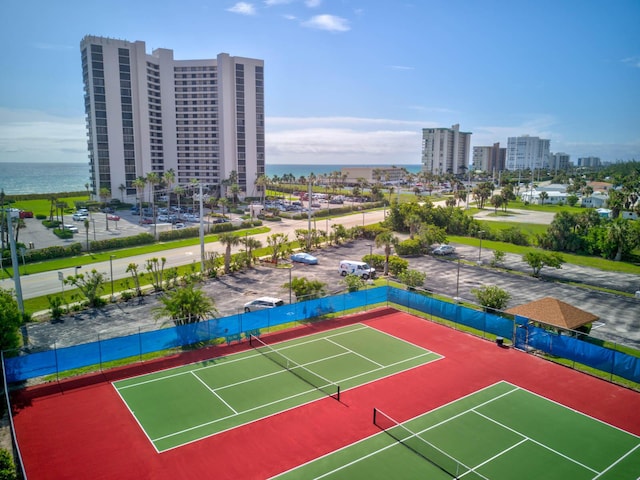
350,81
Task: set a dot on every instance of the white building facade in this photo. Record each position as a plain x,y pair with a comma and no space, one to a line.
445,150
527,153
202,119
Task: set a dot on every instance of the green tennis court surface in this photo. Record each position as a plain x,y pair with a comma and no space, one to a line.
185,404
501,432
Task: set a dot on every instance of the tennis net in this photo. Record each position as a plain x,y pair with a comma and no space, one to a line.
418,445
325,386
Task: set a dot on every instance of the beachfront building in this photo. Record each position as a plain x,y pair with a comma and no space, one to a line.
445,150
150,113
527,153
372,175
489,159
559,162
589,162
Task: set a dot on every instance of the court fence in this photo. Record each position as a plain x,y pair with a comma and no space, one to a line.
23,365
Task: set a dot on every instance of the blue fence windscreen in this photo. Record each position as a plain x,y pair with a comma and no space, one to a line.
22,367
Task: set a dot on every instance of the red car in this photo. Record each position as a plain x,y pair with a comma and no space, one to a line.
113,218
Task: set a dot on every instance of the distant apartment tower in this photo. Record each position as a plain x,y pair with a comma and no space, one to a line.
489,159
559,162
589,162
445,150
203,119
527,152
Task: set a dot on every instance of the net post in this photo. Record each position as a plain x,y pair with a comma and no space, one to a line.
338,393
251,340
374,415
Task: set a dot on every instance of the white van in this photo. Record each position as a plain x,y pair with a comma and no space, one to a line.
361,269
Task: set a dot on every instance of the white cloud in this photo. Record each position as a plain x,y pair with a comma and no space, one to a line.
328,22
51,46
313,3
343,140
243,8
32,136
271,3
633,61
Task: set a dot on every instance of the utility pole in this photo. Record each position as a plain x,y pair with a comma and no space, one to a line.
14,261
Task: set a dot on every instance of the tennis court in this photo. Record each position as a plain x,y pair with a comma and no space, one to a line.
500,432
182,405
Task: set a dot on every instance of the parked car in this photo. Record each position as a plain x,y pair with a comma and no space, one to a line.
305,258
71,228
113,218
26,214
262,303
444,250
79,216
178,226
361,269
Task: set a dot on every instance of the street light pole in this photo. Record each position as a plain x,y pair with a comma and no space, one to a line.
111,257
290,284
457,299
370,250
480,251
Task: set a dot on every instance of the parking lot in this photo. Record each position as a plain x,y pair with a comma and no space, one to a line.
619,316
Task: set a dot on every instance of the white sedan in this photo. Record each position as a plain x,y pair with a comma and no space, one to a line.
444,250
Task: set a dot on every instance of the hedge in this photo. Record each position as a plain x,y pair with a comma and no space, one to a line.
114,243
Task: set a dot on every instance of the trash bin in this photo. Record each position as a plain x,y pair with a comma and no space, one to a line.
499,341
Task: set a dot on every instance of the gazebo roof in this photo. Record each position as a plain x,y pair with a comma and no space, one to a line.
552,311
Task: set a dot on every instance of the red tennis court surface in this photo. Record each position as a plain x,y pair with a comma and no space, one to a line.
82,429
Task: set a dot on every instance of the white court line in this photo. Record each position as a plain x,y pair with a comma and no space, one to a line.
617,461
214,392
534,441
355,353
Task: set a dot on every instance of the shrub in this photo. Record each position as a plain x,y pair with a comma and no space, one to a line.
55,251
397,265
410,247
114,243
514,235
412,278
7,467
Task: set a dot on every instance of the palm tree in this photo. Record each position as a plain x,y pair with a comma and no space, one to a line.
250,244
262,182
86,185
185,305
229,240
279,243
543,196
153,179
618,234
139,184
105,193
169,178
122,188
387,240
179,191
86,229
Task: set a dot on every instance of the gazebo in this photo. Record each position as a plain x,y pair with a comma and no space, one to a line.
551,311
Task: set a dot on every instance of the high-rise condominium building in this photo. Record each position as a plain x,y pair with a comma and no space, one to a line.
559,162
489,159
445,150
527,152
589,162
202,119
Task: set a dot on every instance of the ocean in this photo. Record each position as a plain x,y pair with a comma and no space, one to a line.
22,178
